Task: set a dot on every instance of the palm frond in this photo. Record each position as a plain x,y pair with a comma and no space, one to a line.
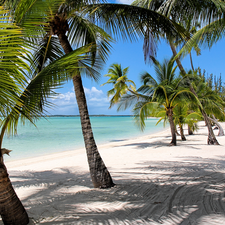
83,32
34,99
131,22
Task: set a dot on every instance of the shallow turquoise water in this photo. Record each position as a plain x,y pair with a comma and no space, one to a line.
58,134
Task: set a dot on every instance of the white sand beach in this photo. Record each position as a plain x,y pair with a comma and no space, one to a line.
155,183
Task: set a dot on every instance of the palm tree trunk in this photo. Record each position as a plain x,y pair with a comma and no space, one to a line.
190,131
183,138
192,66
11,208
99,174
211,136
172,127
221,131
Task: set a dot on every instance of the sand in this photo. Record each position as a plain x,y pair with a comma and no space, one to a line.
155,183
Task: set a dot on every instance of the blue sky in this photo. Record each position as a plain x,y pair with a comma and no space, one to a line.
131,55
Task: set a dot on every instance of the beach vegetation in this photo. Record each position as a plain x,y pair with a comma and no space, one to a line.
25,95
211,101
12,80
158,97
207,16
121,84
78,23
184,116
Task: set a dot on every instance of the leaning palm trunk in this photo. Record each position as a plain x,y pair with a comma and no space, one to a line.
190,131
221,131
172,127
183,138
11,208
211,136
99,174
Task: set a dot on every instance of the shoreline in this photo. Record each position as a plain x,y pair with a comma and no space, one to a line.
67,153
40,143
155,183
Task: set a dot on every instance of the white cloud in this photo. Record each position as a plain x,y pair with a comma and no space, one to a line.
93,92
64,99
66,103
128,2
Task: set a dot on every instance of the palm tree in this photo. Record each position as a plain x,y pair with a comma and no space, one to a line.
157,96
61,16
72,23
208,11
183,115
30,106
24,99
121,84
164,97
211,101
11,209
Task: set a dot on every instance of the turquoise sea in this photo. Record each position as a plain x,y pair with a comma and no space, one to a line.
57,134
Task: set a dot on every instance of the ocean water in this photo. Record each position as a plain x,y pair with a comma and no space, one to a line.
57,134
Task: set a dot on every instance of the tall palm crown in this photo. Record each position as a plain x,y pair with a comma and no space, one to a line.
210,12
121,84
73,22
164,72
24,96
164,92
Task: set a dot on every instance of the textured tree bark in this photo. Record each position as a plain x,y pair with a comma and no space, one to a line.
190,131
99,173
192,66
100,176
211,136
172,127
183,138
221,131
11,208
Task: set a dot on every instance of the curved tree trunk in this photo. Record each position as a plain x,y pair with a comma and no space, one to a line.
221,131
99,174
11,208
172,127
190,131
211,136
183,138
192,66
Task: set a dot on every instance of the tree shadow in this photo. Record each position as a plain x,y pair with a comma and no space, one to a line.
162,143
118,140
171,192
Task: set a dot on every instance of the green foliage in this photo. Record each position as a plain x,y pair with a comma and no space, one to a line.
28,97
121,84
156,97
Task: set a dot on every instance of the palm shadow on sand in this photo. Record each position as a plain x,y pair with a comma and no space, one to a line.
187,192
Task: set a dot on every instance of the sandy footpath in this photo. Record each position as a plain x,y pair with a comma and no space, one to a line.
155,183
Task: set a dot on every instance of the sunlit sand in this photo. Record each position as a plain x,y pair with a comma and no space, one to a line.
155,183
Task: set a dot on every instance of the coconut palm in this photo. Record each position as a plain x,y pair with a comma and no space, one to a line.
121,84
211,101
183,115
11,209
207,11
24,98
72,22
165,96
30,106
157,96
